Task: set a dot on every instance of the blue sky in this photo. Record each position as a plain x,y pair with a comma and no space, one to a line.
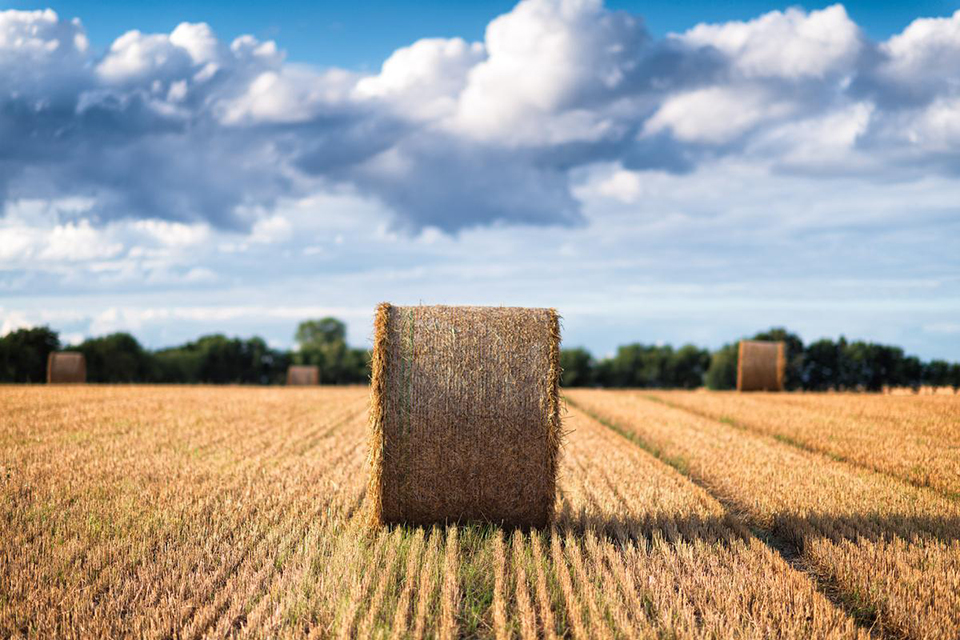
361,35
672,173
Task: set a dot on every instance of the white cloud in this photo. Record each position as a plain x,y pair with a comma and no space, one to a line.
71,339
271,230
289,95
716,115
78,242
450,134
626,186
136,56
173,234
792,44
949,328
424,80
198,40
546,58
12,321
917,58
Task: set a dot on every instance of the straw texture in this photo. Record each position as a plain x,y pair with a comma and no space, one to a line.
302,375
761,365
65,367
465,415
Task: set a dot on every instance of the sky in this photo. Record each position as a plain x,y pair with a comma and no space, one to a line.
658,172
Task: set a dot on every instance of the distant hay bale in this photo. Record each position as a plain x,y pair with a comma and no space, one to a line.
761,365
303,375
465,415
66,367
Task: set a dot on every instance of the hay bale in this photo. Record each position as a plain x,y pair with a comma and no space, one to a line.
303,375
465,415
66,367
761,365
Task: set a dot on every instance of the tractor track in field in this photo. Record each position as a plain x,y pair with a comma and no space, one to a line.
785,548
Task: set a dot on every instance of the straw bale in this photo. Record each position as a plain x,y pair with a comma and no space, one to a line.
465,415
303,375
65,367
761,365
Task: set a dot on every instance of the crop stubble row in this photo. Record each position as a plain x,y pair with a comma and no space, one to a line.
890,549
210,512
915,437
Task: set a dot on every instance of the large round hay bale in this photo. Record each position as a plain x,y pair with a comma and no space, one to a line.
465,415
303,375
761,365
66,367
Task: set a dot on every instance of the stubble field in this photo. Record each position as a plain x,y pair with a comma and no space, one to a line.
209,512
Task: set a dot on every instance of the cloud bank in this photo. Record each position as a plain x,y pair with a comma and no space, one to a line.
186,128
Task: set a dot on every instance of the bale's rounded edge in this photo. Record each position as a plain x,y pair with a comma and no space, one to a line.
378,385
554,427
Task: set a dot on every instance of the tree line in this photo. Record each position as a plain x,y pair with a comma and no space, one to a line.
218,359
819,366
211,359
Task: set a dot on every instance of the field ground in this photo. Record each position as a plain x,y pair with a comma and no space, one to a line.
202,511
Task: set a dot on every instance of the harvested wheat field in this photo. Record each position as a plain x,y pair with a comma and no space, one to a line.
211,512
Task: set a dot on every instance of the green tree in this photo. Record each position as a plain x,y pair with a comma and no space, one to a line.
577,365
217,359
320,332
323,343
686,368
722,372
117,357
24,353
936,373
955,376
822,365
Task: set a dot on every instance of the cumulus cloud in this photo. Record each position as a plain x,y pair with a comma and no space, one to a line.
185,128
791,45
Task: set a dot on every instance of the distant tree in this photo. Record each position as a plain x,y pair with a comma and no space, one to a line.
24,352
936,373
323,343
686,368
634,365
321,332
577,365
217,359
909,369
821,365
955,376
179,365
722,372
653,366
117,357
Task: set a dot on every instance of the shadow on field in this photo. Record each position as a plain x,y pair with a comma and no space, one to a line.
785,532
783,529
872,526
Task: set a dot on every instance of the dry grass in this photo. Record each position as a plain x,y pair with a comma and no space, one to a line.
916,438
211,512
890,550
